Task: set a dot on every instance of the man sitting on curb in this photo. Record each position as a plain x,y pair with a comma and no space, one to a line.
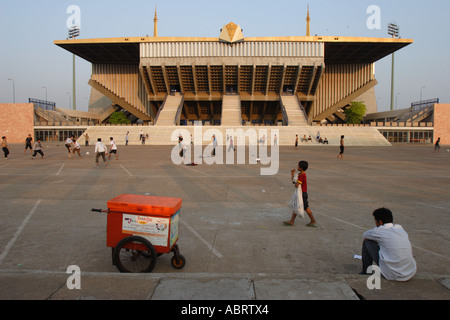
388,246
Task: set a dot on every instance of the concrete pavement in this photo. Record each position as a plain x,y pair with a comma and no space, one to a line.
231,230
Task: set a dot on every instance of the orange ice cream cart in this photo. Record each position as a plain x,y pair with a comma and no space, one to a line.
140,228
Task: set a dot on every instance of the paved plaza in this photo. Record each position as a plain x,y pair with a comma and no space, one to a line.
231,229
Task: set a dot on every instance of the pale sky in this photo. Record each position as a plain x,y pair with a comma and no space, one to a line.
29,57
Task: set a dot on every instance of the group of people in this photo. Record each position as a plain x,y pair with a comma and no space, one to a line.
70,143
142,137
387,245
101,151
73,146
319,139
35,148
324,141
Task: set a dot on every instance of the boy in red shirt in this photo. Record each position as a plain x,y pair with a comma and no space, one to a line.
301,180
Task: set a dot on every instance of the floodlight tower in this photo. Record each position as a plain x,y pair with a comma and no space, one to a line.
73,33
394,31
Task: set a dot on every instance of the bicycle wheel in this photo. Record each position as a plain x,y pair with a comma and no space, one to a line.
134,255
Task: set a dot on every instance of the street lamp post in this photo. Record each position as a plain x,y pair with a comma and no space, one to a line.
45,94
394,31
73,33
421,92
14,90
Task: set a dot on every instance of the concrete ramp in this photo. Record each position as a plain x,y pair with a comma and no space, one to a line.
231,110
169,115
293,111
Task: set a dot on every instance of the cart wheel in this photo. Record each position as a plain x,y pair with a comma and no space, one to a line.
178,263
134,254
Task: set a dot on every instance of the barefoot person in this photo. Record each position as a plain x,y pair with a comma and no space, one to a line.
299,200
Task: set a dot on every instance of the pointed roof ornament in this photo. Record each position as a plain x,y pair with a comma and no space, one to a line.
231,33
308,20
155,27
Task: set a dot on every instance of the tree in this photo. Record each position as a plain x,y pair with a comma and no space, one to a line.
356,112
118,117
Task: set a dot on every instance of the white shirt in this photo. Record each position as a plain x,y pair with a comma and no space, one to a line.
396,258
100,147
113,145
68,141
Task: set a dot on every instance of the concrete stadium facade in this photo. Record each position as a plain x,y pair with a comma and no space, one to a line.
232,80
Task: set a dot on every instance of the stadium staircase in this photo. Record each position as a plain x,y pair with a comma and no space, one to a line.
231,110
169,114
416,116
167,135
293,111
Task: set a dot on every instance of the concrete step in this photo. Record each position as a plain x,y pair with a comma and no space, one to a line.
231,110
295,114
169,111
168,135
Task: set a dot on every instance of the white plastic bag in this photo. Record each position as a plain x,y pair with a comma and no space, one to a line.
296,203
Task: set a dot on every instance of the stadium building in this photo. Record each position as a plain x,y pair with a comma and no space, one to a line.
293,84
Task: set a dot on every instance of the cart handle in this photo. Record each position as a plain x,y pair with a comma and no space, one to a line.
99,210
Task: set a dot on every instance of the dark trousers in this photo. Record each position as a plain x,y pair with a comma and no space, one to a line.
100,154
370,254
38,151
5,152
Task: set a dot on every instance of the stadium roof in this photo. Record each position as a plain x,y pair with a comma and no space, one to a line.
337,49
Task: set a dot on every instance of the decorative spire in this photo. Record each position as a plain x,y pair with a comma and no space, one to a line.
155,28
308,20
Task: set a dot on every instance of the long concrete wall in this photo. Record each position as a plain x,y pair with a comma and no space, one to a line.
168,135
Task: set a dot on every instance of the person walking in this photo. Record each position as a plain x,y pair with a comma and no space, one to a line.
37,148
299,200
126,138
113,149
437,146
296,141
231,145
5,147
214,145
341,148
100,151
